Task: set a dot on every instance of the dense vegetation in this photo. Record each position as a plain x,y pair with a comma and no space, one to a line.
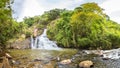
8,27
84,27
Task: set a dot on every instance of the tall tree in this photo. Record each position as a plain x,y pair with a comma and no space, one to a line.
8,27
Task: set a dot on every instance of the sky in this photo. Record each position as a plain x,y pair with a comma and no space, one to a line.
30,8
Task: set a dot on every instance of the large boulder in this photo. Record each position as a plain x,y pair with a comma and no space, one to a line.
86,64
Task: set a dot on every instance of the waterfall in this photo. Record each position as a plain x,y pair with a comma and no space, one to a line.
42,42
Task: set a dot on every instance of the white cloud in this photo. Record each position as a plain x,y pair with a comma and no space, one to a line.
112,9
30,8
36,7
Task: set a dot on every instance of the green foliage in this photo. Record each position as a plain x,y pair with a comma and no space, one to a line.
8,27
52,14
85,27
62,28
29,21
91,7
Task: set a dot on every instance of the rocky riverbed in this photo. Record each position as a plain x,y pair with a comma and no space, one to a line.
52,59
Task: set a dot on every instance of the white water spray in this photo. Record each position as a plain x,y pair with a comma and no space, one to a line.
42,42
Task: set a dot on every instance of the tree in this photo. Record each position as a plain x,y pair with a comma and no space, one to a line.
8,27
29,21
61,29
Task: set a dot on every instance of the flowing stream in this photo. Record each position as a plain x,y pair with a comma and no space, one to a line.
40,58
42,42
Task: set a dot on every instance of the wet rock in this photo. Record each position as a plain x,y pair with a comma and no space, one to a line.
86,64
105,58
51,58
24,57
37,60
67,65
58,59
45,62
8,55
35,65
15,62
67,61
77,55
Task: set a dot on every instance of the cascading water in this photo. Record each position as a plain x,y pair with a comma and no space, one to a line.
42,42
106,54
112,54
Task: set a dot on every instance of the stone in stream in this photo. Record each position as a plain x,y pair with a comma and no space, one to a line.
67,61
37,60
8,56
15,62
86,64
